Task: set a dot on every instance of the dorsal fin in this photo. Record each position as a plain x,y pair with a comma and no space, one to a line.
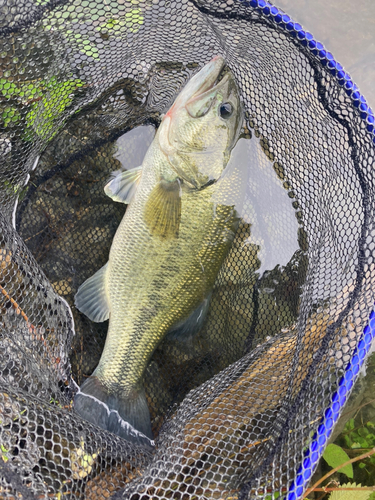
123,185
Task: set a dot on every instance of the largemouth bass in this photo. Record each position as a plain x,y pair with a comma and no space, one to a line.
167,251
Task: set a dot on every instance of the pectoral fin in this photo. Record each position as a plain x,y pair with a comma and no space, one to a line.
163,209
123,185
91,298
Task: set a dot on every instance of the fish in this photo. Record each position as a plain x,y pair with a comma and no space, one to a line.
167,251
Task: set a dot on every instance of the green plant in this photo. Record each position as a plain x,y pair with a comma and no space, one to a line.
360,438
83,43
316,487
55,402
274,496
36,105
4,453
22,91
350,491
118,26
334,455
56,97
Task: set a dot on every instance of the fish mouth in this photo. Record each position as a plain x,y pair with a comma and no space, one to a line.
207,80
200,102
214,75
196,97
210,76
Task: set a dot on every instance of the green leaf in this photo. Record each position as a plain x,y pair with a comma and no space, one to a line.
334,456
10,114
363,432
134,19
348,441
56,97
350,495
274,496
350,425
4,453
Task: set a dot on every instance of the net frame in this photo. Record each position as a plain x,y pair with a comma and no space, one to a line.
297,488
339,398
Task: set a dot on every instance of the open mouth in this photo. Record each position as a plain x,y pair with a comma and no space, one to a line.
222,78
211,76
206,82
224,72
201,101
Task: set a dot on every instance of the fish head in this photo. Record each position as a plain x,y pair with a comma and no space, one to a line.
199,131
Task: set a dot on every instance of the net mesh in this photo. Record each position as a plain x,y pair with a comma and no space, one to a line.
83,86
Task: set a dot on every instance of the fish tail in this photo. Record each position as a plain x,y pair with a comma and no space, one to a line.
127,417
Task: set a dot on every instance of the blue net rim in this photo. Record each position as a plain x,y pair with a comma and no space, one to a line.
332,414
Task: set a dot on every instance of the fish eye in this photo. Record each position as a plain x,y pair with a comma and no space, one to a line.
226,110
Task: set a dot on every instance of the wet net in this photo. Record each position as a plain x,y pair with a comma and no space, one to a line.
245,408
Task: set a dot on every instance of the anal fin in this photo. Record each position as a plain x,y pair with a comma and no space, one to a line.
91,297
163,209
186,329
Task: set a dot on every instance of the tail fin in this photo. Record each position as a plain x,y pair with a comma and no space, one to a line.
128,418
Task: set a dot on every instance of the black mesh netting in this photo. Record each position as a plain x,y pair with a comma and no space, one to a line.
83,86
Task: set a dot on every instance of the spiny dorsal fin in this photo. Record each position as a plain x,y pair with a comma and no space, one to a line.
123,185
163,209
91,298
